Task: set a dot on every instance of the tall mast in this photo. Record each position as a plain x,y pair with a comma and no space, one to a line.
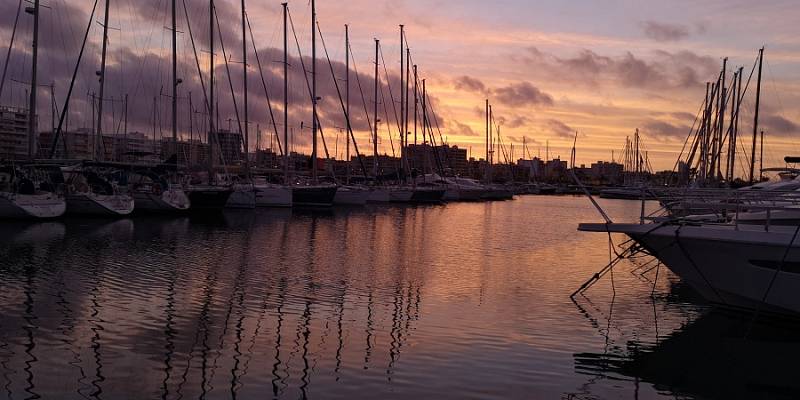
124,130
402,93
407,85
244,66
99,137
486,144
375,115
425,114
491,138
416,101
347,95
34,73
755,122
286,153
313,91
761,158
174,80
723,105
736,121
211,126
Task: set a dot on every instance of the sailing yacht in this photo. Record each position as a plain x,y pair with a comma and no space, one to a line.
152,192
94,191
23,196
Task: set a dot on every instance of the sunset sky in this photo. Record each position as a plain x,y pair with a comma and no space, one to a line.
550,69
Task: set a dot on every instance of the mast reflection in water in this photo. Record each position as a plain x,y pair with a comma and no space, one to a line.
465,300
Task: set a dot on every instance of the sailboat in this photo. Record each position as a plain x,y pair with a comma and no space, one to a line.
153,192
94,188
348,194
313,193
209,196
24,196
29,191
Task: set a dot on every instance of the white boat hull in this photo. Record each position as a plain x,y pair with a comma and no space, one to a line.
273,196
243,196
37,206
351,196
733,267
168,201
115,205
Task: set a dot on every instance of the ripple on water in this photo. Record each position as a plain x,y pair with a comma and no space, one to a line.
456,301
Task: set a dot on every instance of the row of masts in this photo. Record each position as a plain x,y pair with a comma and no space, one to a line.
713,151
209,94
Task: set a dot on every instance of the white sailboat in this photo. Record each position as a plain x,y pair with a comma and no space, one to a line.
89,193
23,197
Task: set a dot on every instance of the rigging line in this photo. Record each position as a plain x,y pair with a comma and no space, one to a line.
685,142
391,96
65,111
230,82
10,47
429,104
363,99
264,84
308,85
196,59
140,47
386,114
341,101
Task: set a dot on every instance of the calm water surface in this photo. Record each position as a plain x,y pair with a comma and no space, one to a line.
456,301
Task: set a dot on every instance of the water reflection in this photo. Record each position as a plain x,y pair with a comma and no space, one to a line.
394,302
712,357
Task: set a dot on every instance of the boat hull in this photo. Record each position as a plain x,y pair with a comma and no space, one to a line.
379,195
115,205
427,195
273,196
400,195
208,198
172,200
727,266
313,196
351,196
35,206
497,194
242,197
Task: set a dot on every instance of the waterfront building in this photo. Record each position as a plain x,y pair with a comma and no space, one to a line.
13,133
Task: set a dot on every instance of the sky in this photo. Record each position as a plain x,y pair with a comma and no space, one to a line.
549,68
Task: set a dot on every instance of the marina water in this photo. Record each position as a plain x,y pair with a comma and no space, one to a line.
467,300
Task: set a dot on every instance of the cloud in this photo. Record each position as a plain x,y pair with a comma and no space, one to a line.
461,129
661,130
559,128
527,140
779,126
522,94
661,70
664,32
469,84
518,121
